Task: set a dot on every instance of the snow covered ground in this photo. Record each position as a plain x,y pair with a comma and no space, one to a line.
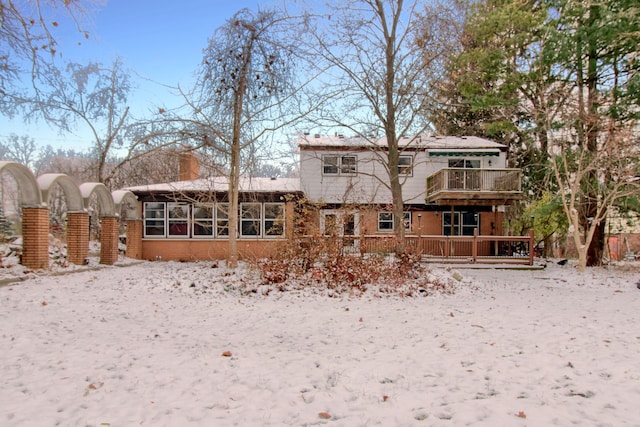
189,344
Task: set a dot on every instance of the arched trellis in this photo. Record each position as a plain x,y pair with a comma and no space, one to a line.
27,183
127,200
35,216
105,201
72,194
109,220
77,216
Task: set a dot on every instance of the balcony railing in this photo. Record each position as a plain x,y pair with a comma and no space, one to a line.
498,183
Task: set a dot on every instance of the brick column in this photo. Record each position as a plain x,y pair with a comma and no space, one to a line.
134,238
35,237
77,237
109,240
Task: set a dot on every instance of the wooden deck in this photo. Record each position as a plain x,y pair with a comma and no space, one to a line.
453,186
457,249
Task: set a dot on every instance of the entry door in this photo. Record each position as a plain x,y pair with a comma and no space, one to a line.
341,224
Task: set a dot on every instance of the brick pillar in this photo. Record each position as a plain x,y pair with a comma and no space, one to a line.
109,240
35,237
134,238
77,237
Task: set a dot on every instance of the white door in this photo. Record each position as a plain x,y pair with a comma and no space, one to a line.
342,224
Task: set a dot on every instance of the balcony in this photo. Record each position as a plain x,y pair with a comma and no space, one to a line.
457,186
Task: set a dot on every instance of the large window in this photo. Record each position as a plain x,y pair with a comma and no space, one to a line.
467,179
464,223
250,219
154,219
385,221
211,220
203,220
273,219
178,214
339,165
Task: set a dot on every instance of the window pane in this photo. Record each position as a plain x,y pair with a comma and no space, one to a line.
178,219
406,219
222,219
349,165
405,165
330,225
385,221
154,228
154,220
250,219
330,165
273,219
203,220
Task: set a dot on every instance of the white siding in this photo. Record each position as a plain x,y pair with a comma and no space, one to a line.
365,187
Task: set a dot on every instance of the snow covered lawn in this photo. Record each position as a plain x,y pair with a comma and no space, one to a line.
170,344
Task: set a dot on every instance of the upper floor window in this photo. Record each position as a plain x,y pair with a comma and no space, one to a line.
405,165
464,163
339,165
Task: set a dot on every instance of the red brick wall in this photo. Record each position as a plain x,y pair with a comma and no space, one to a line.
109,240
35,237
194,249
134,238
77,237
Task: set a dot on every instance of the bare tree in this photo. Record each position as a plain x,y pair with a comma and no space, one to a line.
245,93
379,79
28,40
89,97
21,149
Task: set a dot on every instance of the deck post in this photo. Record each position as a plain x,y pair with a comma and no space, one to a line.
531,248
474,246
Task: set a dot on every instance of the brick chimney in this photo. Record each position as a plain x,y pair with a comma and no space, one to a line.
188,166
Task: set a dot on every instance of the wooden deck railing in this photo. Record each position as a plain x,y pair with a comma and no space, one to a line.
489,180
458,249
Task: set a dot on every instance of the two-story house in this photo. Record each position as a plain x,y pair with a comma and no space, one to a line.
452,186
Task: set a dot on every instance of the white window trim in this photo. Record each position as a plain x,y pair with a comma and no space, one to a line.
339,165
195,206
264,220
163,219
407,226
410,166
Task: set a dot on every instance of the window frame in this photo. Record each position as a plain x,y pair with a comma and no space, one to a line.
161,219
405,170
221,221
389,221
246,219
339,166
178,223
271,223
201,221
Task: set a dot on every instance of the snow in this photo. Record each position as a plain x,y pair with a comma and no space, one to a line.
197,344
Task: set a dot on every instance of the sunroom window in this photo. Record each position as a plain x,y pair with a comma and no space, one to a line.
178,214
222,220
274,219
154,219
250,219
203,220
